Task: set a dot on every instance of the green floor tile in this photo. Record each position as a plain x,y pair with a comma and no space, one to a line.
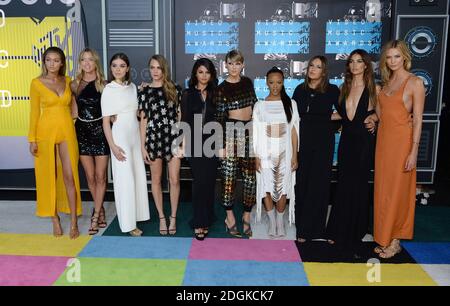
123,272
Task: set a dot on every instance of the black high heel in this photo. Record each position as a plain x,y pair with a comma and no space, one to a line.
199,236
248,232
163,232
233,231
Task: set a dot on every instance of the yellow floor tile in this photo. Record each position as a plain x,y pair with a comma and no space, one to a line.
339,274
41,245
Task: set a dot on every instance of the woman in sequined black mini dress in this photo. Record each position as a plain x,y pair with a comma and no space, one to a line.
159,105
92,143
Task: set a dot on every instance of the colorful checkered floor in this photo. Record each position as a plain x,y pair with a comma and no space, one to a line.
36,259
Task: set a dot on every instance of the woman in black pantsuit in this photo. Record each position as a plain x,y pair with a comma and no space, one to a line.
198,109
315,99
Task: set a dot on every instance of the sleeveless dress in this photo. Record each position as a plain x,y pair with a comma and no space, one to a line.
395,189
89,125
349,217
276,176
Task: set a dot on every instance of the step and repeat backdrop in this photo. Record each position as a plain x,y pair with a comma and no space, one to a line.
285,34
269,33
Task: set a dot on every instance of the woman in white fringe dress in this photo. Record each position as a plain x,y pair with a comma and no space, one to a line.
275,142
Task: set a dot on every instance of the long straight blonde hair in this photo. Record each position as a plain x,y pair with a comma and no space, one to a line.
169,87
100,80
386,72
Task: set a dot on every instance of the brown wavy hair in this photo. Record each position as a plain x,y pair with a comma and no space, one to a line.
369,80
62,70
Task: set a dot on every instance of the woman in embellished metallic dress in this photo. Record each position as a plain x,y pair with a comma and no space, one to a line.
93,147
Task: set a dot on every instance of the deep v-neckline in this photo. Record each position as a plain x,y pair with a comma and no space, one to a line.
54,92
357,106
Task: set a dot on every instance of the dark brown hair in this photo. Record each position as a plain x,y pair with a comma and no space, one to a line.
369,80
323,86
123,57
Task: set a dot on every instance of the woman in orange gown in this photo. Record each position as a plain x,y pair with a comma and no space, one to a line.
53,143
400,109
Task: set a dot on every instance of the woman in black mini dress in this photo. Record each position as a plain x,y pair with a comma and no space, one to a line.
159,105
93,147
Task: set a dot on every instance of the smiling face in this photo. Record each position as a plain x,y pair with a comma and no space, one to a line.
87,62
203,76
53,63
156,72
356,64
315,70
119,69
275,83
394,59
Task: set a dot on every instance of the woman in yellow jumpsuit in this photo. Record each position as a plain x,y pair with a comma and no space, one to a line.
53,143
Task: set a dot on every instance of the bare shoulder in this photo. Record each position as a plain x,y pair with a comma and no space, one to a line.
415,82
74,85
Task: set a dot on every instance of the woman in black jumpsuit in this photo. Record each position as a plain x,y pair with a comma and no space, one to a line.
198,109
315,99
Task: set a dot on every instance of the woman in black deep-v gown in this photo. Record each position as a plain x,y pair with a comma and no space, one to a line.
348,221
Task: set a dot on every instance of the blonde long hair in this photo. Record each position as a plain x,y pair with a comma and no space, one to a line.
100,80
168,85
386,72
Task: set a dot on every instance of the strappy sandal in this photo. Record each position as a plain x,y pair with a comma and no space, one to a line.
102,218
172,230
58,232
163,231
233,231
248,232
379,249
74,232
390,251
301,240
94,224
199,235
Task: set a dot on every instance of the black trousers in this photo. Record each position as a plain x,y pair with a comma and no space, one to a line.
204,174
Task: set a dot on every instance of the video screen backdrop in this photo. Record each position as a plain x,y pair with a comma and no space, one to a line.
278,33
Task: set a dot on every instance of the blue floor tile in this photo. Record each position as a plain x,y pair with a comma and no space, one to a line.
139,247
244,273
429,252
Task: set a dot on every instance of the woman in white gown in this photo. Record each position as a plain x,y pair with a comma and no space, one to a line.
275,141
119,103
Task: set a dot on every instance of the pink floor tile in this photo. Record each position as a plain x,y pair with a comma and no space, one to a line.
30,270
245,249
